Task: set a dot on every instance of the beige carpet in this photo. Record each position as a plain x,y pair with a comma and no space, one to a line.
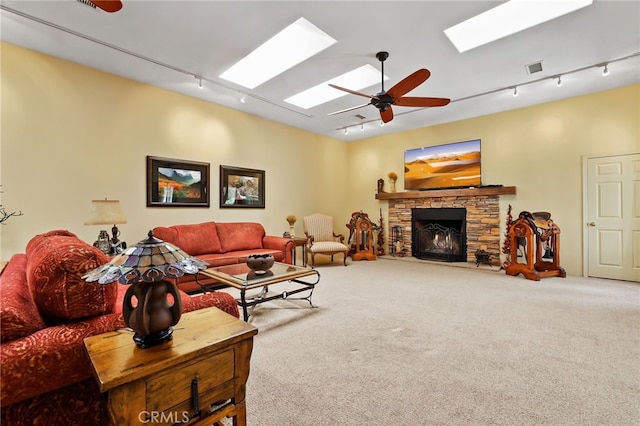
407,343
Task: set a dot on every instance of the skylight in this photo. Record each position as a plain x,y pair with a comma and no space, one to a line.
356,79
294,44
507,19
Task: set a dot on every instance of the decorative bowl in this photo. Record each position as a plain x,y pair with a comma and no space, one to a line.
260,263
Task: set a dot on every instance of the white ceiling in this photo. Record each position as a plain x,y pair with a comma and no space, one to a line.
167,43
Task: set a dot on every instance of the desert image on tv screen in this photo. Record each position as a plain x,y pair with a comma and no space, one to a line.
443,166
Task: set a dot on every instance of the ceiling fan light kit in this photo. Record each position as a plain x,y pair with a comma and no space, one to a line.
383,100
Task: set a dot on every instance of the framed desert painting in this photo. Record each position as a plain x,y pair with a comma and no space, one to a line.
240,187
177,183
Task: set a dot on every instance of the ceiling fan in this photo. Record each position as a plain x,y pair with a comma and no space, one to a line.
106,5
395,96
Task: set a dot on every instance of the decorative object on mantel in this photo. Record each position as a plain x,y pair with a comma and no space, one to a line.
529,230
107,212
380,251
380,185
146,266
291,220
393,177
260,263
506,245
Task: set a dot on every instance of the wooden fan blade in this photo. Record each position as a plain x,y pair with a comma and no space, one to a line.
348,109
386,115
409,83
108,5
422,102
353,92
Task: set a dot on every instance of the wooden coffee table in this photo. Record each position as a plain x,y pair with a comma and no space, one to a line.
240,277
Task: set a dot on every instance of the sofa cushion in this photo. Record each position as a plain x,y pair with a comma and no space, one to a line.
56,262
19,315
194,239
240,235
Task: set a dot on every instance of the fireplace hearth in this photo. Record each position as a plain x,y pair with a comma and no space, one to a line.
439,234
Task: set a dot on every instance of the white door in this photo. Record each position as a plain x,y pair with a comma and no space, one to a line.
612,200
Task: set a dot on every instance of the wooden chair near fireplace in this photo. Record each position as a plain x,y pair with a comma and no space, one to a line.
360,239
534,247
321,239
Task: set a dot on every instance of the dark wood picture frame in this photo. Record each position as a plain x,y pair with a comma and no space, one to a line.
177,183
240,187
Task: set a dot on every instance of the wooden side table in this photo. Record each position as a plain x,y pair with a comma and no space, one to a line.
300,242
197,378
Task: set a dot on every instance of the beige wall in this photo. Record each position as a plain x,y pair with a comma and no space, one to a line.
538,150
71,134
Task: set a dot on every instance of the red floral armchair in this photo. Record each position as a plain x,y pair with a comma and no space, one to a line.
46,311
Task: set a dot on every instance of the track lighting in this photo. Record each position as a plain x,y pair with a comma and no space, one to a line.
559,83
605,70
381,123
346,130
515,92
243,98
199,83
362,127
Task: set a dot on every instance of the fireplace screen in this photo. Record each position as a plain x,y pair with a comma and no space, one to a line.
439,234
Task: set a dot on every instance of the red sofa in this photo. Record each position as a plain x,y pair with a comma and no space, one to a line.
46,312
223,243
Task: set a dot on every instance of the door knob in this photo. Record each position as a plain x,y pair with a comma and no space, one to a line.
591,224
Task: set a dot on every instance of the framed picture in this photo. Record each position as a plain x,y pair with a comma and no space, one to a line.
177,183
241,187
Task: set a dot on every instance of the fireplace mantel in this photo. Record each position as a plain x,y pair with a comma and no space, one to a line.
436,193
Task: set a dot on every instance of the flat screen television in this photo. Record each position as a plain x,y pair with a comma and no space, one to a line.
453,165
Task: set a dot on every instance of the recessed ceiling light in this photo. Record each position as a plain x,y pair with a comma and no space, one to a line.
357,79
294,44
507,19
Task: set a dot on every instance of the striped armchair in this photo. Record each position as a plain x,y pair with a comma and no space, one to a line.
321,239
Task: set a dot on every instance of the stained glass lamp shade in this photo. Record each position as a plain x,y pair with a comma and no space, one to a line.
146,266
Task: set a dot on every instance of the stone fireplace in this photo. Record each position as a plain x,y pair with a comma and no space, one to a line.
482,225
439,234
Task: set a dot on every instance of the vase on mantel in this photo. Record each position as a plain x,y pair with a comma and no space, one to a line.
393,176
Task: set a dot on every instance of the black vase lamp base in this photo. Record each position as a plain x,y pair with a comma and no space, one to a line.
153,339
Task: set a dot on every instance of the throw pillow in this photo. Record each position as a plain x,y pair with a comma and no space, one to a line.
56,262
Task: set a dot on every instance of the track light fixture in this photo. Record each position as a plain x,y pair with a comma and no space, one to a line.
557,78
199,82
362,127
243,98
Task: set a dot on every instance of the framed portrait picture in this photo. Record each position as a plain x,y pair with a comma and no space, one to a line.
241,187
177,183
